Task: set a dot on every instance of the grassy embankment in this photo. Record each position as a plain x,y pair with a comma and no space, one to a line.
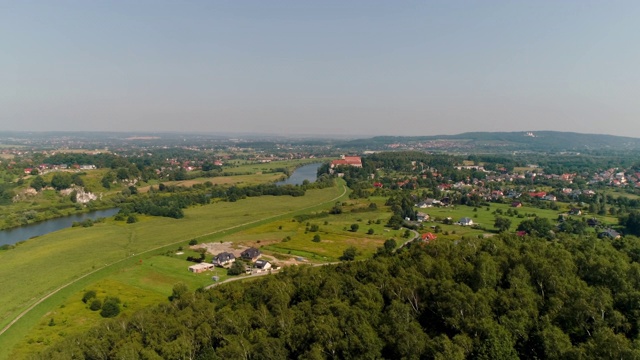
38,267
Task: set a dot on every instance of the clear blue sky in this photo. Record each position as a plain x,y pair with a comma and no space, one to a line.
321,67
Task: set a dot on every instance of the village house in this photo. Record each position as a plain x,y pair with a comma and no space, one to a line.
262,265
421,217
465,221
250,254
609,234
428,237
224,259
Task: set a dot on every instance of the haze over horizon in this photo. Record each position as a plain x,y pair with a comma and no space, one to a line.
333,67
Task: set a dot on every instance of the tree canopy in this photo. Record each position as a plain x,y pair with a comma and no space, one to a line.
502,297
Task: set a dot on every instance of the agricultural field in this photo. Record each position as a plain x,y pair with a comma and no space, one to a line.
295,237
259,168
84,256
238,180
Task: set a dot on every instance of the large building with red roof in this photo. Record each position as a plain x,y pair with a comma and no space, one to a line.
347,161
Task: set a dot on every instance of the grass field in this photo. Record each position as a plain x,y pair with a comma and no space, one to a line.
254,168
59,258
144,284
485,218
334,231
240,180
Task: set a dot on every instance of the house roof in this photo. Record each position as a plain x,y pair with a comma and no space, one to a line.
224,256
260,264
250,253
429,236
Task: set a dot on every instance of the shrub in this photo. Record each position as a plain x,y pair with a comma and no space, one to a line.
316,238
236,268
193,242
96,305
349,254
90,294
111,307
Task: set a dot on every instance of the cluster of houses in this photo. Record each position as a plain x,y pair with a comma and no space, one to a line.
43,168
616,178
226,259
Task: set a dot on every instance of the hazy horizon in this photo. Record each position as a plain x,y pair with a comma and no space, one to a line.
356,69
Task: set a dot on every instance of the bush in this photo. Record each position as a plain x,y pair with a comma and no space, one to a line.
236,268
349,254
354,227
131,219
111,307
91,294
316,238
193,242
370,231
96,305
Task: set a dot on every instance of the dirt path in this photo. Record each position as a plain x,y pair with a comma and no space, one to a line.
22,314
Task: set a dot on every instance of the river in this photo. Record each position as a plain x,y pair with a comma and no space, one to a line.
307,172
12,236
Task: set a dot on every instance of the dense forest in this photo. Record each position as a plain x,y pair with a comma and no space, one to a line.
502,297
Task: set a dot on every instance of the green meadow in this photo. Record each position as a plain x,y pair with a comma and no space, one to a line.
485,218
289,236
253,168
75,259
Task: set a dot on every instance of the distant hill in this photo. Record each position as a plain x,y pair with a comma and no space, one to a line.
538,141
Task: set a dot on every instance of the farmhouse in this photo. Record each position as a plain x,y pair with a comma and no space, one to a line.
198,268
465,221
223,259
421,217
250,254
262,265
609,233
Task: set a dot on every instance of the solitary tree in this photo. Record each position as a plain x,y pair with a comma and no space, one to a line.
349,254
502,224
354,227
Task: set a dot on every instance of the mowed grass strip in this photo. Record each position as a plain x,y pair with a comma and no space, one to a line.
37,267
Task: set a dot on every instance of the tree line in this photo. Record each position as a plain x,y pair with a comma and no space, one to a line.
497,298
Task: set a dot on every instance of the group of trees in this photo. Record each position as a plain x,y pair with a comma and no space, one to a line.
497,298
59,181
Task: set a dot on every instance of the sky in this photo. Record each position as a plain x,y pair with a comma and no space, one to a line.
356,68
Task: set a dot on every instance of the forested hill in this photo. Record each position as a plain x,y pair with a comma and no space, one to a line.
512,141
503,297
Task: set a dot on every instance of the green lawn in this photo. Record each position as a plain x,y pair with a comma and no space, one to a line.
38,267
146,283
